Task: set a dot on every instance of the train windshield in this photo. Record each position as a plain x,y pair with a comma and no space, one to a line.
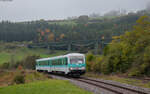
76,60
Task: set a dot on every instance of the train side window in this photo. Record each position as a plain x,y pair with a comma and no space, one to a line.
52,62
59,62
46,62
62,61
36,63
43,63
66,61
49,62
56,62
40,63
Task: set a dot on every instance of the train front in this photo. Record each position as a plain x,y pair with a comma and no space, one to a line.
77,65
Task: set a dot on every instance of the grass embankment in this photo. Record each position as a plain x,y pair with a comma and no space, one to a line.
7,77
130,81
44,87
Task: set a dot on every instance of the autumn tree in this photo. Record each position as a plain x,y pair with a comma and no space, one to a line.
51,37
62,36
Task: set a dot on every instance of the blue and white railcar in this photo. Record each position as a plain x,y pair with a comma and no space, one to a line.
70,64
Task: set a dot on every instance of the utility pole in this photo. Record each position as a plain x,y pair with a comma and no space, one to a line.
96,47
102,42
69,47
48,47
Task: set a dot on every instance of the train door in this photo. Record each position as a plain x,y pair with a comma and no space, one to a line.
65,62
49,64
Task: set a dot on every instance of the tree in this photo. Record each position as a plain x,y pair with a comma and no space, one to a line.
83,19
131,52
62,36
51,37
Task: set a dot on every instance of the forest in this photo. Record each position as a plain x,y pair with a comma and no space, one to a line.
81,28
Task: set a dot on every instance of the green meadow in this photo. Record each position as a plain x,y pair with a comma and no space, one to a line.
44,87
10,55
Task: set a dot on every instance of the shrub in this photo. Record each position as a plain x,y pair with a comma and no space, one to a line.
19,79
94,62
90,57
134,72
29,62
5,65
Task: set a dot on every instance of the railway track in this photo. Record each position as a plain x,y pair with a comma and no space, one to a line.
111,87
107,86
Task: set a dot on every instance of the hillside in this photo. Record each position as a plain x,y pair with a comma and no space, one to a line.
13,54
68,30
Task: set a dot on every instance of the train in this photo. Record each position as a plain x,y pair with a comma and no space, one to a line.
72,64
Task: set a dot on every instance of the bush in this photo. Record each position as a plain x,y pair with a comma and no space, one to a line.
90,61
90,57
94,62
29,62
134,72
5,65
19,79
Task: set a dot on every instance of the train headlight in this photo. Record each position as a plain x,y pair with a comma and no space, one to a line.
71,68
83,68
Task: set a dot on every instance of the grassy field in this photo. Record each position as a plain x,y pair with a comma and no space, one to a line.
44,87
17,54
7,77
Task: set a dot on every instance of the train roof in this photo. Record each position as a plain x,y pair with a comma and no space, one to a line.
67,55
74,54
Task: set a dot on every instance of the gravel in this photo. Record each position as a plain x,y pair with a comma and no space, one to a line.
146,90
97,90
85,86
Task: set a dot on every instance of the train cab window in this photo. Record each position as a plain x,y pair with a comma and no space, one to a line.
76,60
